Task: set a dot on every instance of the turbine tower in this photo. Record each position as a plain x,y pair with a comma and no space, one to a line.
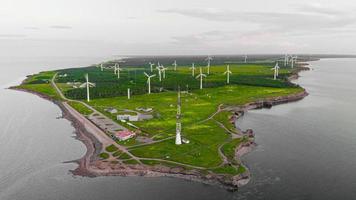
101,67
276,71
115,68
209,59
193,69
151,66
159,69
149,81
175,65
201,76
164,71
245,58
87,84
128,93
178,123
228,72
294,61
118,69
285,60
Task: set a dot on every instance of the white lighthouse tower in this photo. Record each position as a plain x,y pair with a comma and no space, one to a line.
178,124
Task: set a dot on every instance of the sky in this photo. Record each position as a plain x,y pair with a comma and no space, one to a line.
171,27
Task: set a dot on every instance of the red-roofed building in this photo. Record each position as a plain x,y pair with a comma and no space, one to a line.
125,135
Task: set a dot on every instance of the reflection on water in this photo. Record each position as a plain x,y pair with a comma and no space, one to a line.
305,149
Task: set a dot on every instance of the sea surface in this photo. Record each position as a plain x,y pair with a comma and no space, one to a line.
306,150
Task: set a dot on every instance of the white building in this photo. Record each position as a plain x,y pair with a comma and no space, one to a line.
131,118
111,110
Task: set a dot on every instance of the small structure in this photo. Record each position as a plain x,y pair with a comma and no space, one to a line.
125,135
111,110
62,75
131,118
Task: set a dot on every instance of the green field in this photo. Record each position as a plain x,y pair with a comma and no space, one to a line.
81,108
248,83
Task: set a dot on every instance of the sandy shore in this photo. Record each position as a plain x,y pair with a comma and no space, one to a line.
90,165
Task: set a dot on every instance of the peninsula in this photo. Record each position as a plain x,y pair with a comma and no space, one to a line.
139,117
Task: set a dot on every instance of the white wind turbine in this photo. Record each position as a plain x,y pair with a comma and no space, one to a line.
115,68
209,59
164,71
276,71
201,76
294,61
175,65
228,72
128,93
285,60
245,58
149,81
159,69
87,84
101,67
151,66
118,69
193,69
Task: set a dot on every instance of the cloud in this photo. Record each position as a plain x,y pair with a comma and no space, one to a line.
60,27
305,19
317,8
31,28
12,36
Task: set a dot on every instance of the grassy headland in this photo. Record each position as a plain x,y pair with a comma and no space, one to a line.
213,138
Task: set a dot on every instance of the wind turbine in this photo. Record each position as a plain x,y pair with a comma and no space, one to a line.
245,58
276,71
151,66
228,72
201,76
178,121
159,69
175,65
128,93
149,81
285,60
164,71
209,59
193,69
118,69
101,67
292,62
87,84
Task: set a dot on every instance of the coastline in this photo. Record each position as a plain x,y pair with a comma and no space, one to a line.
91,166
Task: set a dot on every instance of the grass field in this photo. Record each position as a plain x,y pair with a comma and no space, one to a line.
81,108
248,83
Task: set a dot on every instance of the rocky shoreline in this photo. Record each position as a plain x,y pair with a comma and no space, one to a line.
91,166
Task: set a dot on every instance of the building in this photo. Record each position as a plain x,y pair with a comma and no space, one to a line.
111,110
125,135
62,75
131,118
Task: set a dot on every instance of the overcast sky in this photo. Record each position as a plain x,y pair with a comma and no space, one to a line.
151,27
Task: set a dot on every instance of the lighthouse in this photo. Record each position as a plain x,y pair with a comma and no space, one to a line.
178,123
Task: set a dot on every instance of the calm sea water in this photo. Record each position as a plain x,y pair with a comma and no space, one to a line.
306,150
